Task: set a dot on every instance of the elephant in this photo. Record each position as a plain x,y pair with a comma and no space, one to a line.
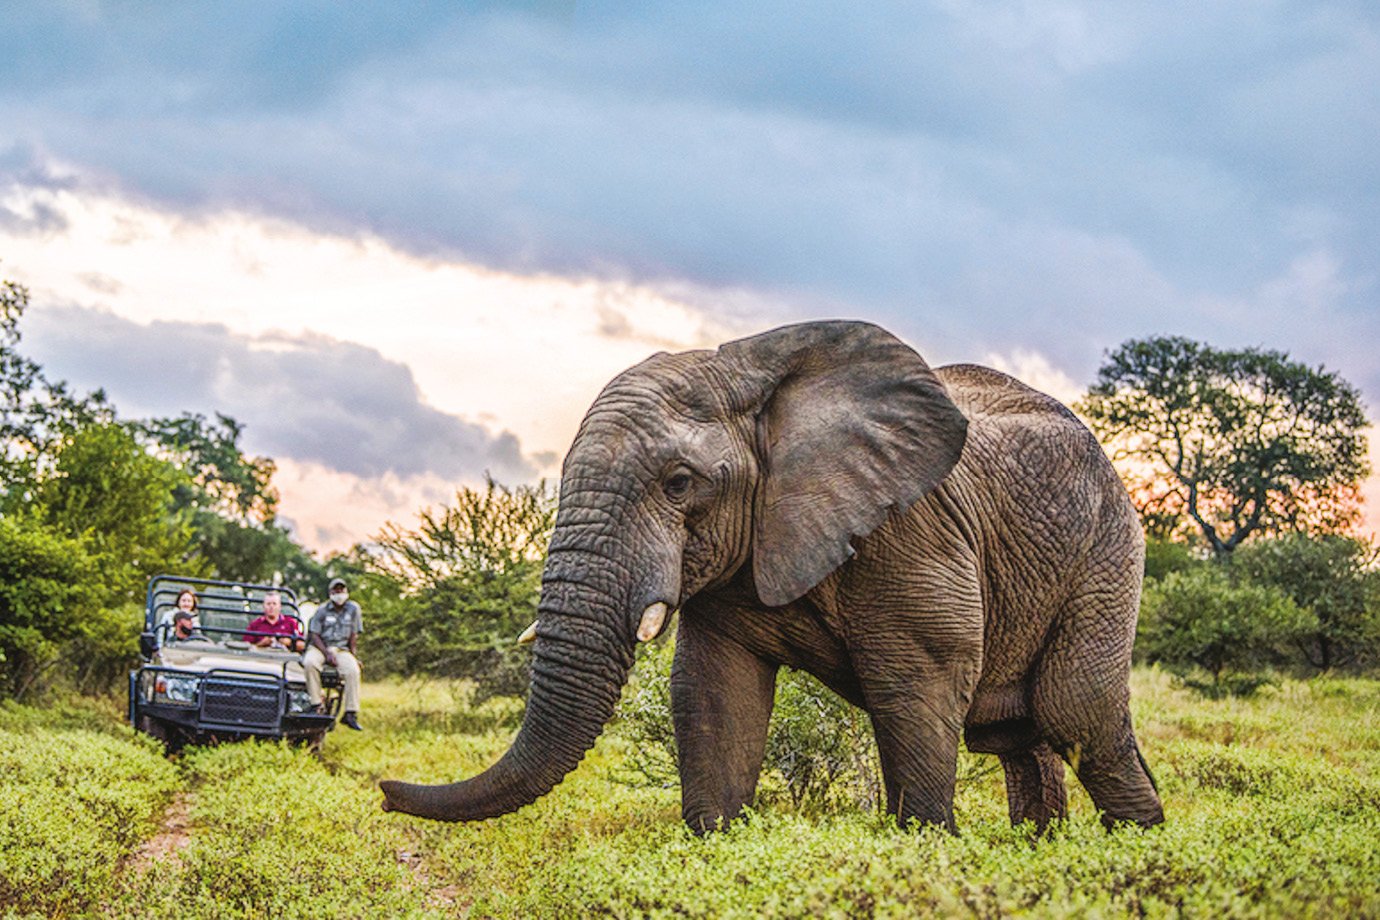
949,549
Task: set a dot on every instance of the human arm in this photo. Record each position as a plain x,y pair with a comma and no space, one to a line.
316,640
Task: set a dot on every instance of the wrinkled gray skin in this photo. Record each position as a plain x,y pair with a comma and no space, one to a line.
991,586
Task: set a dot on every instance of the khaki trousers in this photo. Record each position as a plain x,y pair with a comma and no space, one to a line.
312,661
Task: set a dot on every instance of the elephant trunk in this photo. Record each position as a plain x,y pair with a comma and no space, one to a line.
581,661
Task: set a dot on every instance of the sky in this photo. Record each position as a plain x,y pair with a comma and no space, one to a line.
406,244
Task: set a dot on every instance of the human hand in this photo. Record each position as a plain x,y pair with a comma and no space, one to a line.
331,659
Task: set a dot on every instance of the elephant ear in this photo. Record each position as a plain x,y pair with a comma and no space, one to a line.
851,424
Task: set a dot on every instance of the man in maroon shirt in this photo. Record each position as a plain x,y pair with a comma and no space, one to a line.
275,629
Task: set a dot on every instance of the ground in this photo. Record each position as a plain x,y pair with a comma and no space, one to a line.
1272,804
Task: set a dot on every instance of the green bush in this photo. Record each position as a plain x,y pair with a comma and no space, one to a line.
450,597
1332,576
48,589
1202,619
820,751
1163,556
74,805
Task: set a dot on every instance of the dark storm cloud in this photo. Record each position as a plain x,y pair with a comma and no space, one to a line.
980,176
309,398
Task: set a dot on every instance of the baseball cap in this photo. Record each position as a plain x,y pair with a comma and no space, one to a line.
336,583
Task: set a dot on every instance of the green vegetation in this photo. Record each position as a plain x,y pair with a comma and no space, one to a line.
451,595
1295,603
1273,806
1201,619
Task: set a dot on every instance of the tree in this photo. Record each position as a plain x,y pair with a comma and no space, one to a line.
1205,618
467,580
222,477
1237,442
1334,577
229,498
35,413
107,491
48,585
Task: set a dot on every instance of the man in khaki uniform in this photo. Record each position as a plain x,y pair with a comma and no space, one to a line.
331,640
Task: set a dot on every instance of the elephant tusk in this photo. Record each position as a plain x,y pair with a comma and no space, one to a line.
529,634
653,618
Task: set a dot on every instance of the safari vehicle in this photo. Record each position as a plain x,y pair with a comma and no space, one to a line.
215,685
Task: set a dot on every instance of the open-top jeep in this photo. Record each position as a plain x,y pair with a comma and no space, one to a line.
215,685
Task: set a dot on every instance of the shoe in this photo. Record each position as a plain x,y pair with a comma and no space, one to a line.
349,721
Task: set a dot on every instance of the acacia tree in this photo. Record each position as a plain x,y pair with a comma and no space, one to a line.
464,583
1234,441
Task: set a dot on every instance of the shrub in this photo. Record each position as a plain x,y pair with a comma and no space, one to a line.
74,804
1163,556
1201,619
456,591
1333,577
820,750
48,585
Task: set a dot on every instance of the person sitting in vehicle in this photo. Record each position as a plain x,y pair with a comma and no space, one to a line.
272,629
184,628
186,602
332,633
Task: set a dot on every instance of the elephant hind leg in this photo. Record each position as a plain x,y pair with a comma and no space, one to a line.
1116,776
1035,785
1080,703
1034,773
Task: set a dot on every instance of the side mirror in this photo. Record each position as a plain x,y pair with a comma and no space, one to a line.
148,644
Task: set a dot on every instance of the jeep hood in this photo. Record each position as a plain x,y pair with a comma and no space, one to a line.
190,658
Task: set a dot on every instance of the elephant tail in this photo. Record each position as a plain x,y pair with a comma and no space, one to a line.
1146,767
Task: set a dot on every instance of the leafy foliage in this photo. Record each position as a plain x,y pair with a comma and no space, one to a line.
820,752
463,584
74,805
106,490
35,412
1163,556
1335,578
229,498
1203,618
48,583
1234,441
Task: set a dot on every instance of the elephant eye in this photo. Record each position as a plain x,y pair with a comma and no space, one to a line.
677,486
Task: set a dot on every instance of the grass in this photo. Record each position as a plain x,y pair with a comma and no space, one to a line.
1273,807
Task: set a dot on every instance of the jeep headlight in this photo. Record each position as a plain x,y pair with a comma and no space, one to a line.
298,700
178,689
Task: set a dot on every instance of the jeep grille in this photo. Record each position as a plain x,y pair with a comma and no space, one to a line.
239,703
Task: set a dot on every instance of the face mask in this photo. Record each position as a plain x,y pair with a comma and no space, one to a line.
339,597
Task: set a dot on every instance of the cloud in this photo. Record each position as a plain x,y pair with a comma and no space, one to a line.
846,154
308,397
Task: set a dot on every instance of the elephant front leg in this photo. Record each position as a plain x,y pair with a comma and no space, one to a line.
721,699
918,744
917,693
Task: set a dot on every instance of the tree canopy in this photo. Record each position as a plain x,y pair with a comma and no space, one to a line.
459,587
1230,442
92,505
